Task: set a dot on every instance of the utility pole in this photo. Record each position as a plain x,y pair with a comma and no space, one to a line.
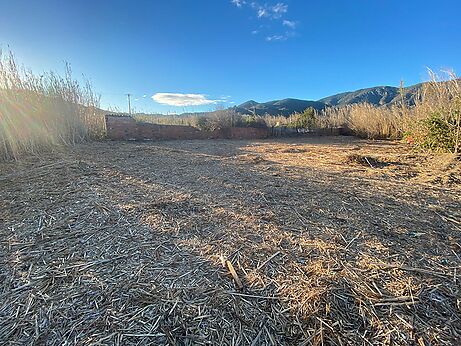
129,103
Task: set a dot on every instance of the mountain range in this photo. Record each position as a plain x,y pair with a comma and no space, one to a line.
378,96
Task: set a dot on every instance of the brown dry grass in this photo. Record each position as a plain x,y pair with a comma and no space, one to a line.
123,243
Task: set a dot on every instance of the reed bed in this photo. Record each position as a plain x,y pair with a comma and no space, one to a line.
432,121
39,112
365,120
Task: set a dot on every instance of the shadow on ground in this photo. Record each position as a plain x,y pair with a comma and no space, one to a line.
122,244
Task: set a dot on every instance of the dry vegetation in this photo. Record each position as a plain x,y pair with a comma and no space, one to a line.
168,119
39,112
218,119
366,121
311,241
433,122
335,241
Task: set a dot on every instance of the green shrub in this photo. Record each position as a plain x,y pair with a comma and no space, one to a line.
436,119
305,120
436,133
252,121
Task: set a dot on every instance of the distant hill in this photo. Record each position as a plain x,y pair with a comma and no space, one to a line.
278,107
378,96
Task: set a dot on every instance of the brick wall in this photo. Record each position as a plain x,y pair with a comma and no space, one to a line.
148,131
122,128
291,132
126,128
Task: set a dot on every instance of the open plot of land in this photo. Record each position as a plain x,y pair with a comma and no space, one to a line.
335,241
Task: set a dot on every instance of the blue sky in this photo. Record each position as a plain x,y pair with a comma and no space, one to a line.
185,55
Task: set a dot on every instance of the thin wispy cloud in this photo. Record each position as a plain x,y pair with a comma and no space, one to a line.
276,38
289,23
262,12
279,9
281,37
270,11
239,3
184,100
275,15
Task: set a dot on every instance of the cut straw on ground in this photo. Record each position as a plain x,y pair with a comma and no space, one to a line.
130,243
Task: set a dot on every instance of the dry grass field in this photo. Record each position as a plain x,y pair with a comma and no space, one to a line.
334,241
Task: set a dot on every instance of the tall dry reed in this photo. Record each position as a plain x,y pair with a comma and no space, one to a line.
366,120
432,121
38,112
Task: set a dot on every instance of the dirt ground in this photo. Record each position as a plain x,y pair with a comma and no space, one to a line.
336,241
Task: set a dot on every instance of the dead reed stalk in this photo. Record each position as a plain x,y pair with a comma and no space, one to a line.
43,111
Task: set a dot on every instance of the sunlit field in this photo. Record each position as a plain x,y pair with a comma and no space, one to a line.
331,240
230,172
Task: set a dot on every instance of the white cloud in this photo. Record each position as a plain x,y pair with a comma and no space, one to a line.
281,37
238,3
276,13
289,23
280,9
272,12
181,100
276,38
262,12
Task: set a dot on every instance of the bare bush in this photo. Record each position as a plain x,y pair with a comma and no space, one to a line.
221,119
